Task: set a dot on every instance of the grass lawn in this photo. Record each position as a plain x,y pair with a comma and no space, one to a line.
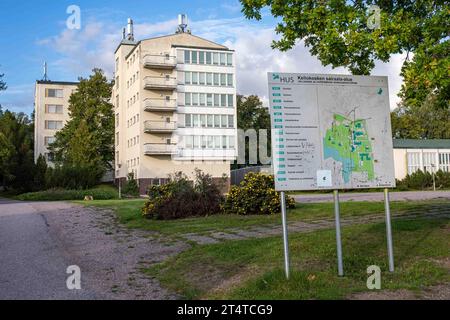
252,269
129,213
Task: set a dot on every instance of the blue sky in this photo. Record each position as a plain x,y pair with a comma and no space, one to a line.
35,31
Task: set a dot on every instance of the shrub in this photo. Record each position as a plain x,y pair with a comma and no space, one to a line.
255,195
420,180
182,198
73,177
131,187
99,193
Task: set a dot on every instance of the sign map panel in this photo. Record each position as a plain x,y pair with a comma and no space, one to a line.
330,131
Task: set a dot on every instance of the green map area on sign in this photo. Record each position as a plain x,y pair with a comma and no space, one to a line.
348,142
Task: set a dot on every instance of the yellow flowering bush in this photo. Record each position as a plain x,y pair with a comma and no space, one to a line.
255,195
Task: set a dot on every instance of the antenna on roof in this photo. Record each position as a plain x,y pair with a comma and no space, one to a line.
45,72
183,24
124,33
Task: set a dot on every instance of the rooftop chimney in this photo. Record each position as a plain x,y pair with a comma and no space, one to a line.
130,31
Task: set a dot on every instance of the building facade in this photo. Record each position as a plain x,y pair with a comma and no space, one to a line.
51,107
175,107
411,155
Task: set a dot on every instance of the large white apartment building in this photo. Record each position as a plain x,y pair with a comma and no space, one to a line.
51,107
175,107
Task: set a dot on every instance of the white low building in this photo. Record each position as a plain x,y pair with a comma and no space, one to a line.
430,155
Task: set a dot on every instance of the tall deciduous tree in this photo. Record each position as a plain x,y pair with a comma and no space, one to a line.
251,114
338,33
87,138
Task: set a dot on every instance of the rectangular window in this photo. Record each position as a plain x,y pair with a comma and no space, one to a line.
54,93
188,120
210,121
50,156
51,108
223,79
187,77
444,162
210,140
209,99
230,80
224,142
223,100
201,57
216,100
189,142
202,79
117,138
194,77
195,99
203,141
208,58
202,99
209,77
231,142
216,121
203,120
429,162
53,125
196,142
230,121
413,162
195,120
49,140
187,56
230,100
215,58
223,121
223,59
194,57
217,142
216,79
187,99
229,59
117,120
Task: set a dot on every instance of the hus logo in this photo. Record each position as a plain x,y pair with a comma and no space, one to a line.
282,79
275,76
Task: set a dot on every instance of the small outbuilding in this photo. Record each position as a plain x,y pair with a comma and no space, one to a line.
428,155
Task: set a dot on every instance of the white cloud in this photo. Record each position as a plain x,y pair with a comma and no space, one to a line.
94,46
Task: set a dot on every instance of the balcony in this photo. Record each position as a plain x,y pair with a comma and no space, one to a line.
159,126
160,62
160,105
155,149
160,83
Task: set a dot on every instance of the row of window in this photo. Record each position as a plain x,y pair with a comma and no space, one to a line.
53,125
209,142
133,79
53,108
133,162
208,99
133,100
208,78
208,58
208,121
428,162
133,141
133,120
54,93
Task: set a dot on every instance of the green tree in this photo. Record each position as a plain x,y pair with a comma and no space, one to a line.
18,168
87,138
424,122
2,83
6,152
251,114
337,32
40,173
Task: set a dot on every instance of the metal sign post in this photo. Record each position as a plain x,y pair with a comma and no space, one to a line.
389,230
285,235
338,233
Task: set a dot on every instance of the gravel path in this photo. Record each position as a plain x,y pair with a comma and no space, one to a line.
38,241
374,196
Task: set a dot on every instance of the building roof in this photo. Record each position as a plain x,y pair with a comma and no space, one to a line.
57,82
421,143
